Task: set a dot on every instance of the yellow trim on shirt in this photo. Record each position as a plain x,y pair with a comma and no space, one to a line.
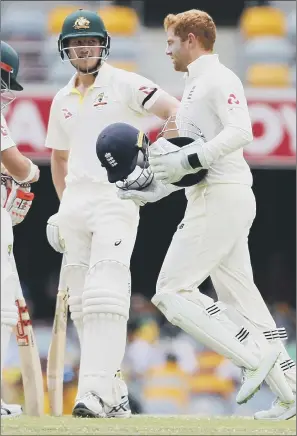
81,97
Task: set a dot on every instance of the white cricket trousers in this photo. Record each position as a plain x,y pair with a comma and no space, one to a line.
212,240
99,231
97,225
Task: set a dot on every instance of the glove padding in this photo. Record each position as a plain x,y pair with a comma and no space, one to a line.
53,234
154,192
169,162
19,201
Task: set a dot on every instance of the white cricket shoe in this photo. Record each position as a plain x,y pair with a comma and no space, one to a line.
278,412
122,410
89,406
10,410
252,379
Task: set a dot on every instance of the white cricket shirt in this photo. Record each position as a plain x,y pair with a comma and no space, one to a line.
75,121
6,141
214,100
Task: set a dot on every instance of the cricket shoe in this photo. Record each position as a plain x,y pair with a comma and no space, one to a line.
279,411
89,406
122,410
252,379
10,410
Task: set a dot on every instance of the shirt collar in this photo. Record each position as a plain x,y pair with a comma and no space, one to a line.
102,79
201,64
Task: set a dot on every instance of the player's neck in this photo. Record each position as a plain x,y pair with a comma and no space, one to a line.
197,54
84,81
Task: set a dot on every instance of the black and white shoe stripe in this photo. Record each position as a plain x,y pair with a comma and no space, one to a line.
124,407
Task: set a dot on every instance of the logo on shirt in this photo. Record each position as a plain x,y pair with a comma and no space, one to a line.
191,93
81,23
146,90
66,113
9,250
112,162
100,100
233,99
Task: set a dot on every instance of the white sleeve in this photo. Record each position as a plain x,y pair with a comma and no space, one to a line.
229,104
6,140
142,93
56,137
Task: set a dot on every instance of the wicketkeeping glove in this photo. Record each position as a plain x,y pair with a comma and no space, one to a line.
154,192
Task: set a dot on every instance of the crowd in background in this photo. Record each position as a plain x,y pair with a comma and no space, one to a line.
266,37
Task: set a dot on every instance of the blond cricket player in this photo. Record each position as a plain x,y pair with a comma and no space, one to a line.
14,168
96,228
212,239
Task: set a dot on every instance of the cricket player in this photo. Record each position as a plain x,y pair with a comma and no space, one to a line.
14,168
212,239
97,229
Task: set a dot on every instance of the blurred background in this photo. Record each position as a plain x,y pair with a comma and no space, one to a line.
167,372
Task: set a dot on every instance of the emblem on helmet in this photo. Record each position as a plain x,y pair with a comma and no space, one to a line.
81,23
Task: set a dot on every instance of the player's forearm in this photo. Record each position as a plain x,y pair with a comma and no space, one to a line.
165,107
18,166
59,168
227,141
203,155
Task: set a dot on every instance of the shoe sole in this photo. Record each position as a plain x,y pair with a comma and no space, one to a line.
284,417
83,412
11,415
267,363
122,415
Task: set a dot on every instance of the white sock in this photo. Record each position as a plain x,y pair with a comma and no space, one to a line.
5,338
104,342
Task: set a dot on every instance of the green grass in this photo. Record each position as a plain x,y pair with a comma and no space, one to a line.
145,425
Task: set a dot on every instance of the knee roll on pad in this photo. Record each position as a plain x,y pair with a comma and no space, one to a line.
105,301
107,289
9,316
75,307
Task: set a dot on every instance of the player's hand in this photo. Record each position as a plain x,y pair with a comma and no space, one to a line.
53,234
19,201
169,162
154,192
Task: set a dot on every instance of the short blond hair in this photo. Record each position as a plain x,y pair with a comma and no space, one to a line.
194,21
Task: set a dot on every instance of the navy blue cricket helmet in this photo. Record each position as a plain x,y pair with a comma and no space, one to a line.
123,151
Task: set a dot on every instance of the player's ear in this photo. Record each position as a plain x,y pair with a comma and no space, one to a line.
191,38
